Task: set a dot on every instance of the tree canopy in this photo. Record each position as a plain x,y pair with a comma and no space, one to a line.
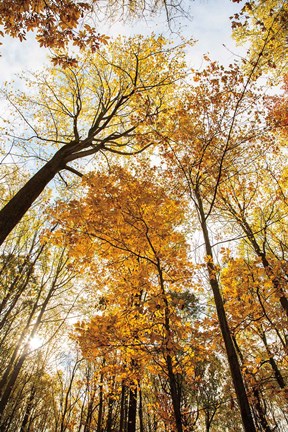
144,255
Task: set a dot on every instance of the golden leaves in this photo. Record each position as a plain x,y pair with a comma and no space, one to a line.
263,26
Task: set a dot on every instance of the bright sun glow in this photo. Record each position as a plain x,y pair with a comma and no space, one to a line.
36,342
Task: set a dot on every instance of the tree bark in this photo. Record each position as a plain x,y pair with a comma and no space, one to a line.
238,382
260,412
174,390
100,410
10,385
122,409
132,410
16,208
278,376
109,415
140,411
24,425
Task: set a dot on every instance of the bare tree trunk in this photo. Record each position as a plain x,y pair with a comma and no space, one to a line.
132,410
10,384
278,376
174,391
16,208
25,425
67,397
122,421
109,415
174,394
238,382
140,411
260,412
100,410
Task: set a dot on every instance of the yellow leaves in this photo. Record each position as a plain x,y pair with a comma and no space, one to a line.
263,27
129,223
114,96
128,216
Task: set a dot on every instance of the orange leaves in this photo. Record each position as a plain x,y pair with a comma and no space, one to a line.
278,115
56,24
126,228
128,216
205,136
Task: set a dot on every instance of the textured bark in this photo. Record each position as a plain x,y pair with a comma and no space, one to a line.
16,208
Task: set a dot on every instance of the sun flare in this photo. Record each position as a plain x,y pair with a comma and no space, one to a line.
36,342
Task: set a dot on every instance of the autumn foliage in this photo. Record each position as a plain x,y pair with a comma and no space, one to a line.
144,258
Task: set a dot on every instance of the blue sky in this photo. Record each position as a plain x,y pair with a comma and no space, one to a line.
209,24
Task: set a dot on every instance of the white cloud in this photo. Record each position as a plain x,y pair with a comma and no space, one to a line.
210,25
17,56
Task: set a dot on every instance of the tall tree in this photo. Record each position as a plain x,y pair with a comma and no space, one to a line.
130,223
108,104
208,137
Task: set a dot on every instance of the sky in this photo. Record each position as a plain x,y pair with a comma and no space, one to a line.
209,24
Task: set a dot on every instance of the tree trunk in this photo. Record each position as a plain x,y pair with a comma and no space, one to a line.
11,383
132,410
109,415
16,208
24,425
278,376
238,382
67,405
27,272
140,411
174,390
122,409
260,412
100,410
174,394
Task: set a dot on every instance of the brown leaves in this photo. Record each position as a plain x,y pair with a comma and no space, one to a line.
56,22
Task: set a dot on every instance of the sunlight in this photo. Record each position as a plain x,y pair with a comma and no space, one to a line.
36,342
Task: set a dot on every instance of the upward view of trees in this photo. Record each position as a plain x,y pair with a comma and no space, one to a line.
143,227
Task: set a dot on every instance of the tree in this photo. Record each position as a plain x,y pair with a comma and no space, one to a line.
255,317
261,219
108,104
59,22
263,24
130,223
208,137
33,278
